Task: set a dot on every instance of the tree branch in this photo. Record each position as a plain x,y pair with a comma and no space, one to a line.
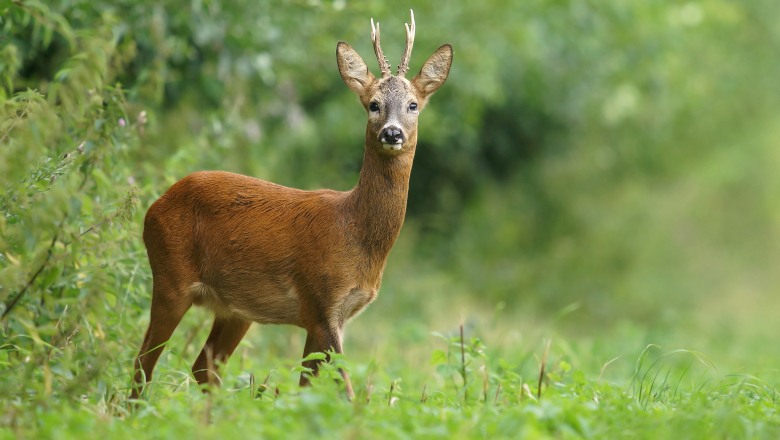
128,200
13,125
92,228
32,280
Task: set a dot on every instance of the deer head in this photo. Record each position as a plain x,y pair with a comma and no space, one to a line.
393,103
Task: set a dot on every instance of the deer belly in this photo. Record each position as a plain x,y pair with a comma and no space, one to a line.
265,304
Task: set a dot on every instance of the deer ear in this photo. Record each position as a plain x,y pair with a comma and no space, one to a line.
434,72
353,69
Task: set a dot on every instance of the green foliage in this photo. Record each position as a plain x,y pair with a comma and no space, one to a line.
603,172
675,395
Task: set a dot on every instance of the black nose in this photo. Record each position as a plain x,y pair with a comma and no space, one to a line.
392,135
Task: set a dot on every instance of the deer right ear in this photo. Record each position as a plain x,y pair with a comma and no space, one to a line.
353,69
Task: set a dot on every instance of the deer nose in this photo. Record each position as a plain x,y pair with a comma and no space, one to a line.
392,135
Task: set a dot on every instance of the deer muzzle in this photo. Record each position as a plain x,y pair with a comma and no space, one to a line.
392,138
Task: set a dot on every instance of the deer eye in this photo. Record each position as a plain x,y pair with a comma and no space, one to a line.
374,107
413,106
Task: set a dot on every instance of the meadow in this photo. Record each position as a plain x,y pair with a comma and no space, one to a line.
591,242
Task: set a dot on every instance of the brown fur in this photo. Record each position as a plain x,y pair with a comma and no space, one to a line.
254,251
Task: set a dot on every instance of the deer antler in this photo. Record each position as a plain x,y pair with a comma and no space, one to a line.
384,65
404,66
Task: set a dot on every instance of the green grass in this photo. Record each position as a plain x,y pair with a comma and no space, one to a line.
608,385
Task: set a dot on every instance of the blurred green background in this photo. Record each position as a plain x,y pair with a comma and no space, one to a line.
605,171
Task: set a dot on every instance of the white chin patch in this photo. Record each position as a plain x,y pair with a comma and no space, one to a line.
393,147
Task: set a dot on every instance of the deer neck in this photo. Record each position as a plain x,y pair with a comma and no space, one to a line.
378,202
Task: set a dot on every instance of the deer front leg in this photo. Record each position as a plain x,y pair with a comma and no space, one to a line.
321,340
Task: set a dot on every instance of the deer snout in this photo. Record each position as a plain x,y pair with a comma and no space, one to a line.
392,137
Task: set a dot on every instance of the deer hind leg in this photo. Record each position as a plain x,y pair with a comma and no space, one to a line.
225,335
168,307
321,339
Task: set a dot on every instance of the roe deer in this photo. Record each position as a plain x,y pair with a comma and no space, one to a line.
254,251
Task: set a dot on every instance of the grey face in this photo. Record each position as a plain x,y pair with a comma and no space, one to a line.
392,112
393,102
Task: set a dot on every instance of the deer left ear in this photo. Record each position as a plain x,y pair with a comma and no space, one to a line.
434,72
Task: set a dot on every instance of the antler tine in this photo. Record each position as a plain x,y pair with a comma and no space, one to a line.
404,66
384,65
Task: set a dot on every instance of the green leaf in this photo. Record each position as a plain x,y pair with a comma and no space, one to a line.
108,210
438,357
579,377
504,364
315,357
62,75
53,275
101,178
86,206
110,299
439,335
445,370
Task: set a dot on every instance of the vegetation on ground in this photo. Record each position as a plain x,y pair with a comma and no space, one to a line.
594,197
